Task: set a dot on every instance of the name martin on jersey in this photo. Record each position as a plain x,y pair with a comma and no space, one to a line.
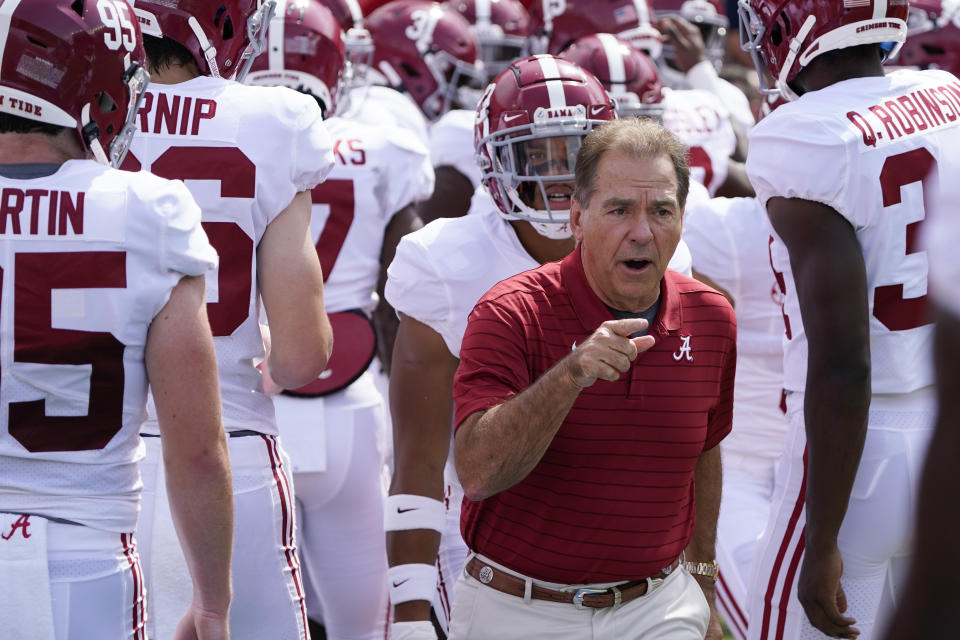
62,210
913,113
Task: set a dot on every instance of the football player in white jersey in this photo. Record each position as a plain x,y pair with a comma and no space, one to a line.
846,199
927,607
729,243
250,156
430,52
332,425
102,291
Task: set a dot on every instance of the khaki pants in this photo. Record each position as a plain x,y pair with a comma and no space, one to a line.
676,610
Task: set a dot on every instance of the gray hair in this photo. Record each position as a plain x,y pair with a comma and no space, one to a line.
640,137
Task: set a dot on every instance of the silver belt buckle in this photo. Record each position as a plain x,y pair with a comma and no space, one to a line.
578,596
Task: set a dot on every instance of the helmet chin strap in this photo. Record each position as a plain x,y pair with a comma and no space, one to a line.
795,46
209,51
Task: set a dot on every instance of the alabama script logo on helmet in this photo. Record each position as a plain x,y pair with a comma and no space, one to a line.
76,65
529,126
783,37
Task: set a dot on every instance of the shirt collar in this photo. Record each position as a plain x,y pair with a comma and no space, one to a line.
592,312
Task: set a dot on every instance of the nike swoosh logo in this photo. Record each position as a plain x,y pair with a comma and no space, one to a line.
399,510
325,374
513,117
595,109
574,348
397,584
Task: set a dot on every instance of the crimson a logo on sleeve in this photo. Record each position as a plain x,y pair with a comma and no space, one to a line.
22,523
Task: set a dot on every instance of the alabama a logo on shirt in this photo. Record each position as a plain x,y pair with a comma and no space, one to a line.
684,350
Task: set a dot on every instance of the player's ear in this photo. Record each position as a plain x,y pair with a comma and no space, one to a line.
576,219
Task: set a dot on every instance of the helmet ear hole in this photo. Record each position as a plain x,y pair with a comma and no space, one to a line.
776,35
77,6
410,70
226,29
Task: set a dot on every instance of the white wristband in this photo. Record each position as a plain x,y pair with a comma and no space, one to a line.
412,582
419,630
405,511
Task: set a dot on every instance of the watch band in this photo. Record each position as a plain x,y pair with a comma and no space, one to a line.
707,569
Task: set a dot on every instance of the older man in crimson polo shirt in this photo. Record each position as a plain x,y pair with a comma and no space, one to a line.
590,399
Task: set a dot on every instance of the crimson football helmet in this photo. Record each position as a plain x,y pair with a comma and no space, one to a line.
783,36
933,36
305,51
78,65
708,16
223,36
501,30
555,24
425,49
627,74
356,38
530,123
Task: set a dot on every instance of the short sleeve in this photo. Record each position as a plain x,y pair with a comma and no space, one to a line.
184,245
792,155
492,361
409,172
451,144
414,288
314,148
721,416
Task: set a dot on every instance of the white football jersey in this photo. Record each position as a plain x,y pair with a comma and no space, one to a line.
386,107
875,150
377,172
451,143
441,270
244,152
702,123
89,256
729,242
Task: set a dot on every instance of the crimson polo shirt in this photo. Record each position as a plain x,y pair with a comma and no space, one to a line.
612,499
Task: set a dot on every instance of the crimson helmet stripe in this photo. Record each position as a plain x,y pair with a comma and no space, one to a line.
275,49
551,73
611,49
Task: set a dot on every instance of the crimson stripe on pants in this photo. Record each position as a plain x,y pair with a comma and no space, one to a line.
442,590
781,553
735,618
287,524
129,552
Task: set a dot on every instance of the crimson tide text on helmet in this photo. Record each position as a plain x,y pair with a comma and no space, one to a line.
554,24
627,74
425,49
501,30
708,16
933,36
223,36
530,123
783,36
77,65
305,51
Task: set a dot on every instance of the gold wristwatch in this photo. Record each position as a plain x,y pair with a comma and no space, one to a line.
707,569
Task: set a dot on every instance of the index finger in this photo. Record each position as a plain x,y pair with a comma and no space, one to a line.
626,326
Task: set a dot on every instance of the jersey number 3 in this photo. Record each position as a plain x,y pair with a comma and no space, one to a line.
894,311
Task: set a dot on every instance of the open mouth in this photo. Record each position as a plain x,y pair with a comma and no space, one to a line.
559,194
637,265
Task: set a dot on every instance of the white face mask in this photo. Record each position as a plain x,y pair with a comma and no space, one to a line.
553,231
